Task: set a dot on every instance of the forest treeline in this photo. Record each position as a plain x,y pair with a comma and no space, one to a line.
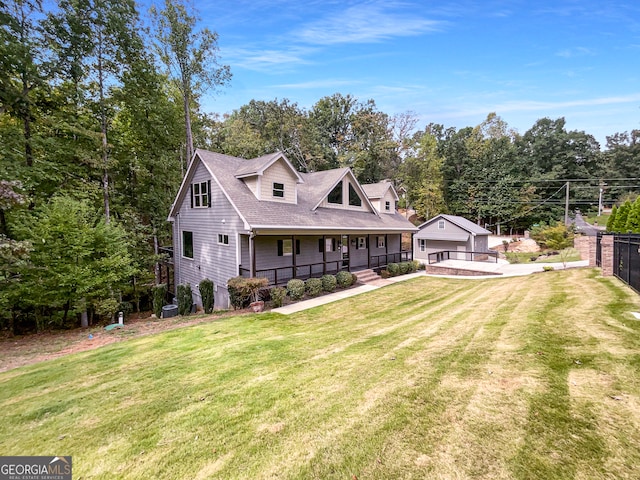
100,113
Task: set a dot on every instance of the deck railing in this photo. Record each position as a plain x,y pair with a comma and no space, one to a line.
443,255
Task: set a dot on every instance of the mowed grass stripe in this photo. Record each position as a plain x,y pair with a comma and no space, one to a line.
431,377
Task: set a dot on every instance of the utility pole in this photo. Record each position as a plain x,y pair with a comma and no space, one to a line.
602,185
566,207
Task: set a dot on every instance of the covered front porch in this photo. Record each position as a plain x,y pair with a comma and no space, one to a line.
279,258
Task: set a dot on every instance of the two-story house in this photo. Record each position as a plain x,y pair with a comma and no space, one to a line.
262,218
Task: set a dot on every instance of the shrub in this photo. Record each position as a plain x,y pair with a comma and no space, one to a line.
329,283
547,268
206,292
354,279
385,273
415,266
393,269
344,279
404,268
159,294
243,291
295,288
185,299
313,286
238,295
278,294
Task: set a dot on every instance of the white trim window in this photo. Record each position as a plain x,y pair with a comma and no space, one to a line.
223,239
362,243
422,244
440,224
200,195
380,242
387,206
278,190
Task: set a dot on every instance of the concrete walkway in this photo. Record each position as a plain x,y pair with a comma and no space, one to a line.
351,292
503,267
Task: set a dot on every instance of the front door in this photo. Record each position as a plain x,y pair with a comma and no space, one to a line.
344,246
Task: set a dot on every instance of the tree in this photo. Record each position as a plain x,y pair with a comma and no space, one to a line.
612,219
620,223
112,26
78,261
633,218
22,64
191,57
421,175
558,238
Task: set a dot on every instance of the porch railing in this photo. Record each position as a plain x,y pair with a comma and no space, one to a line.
436,257
281,275
379,261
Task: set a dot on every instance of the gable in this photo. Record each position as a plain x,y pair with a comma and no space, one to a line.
346,194
450,224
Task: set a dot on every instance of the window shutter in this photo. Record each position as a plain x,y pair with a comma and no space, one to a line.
333,244
209,193
320,245
191,190
297,246
280,250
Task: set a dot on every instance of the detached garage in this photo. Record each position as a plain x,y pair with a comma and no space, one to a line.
456,236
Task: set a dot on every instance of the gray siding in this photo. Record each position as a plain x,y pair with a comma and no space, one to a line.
449,228
210,260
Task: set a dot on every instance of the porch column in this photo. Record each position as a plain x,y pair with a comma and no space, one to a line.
252,254
411,249
324,255
293,257
386,249
369,250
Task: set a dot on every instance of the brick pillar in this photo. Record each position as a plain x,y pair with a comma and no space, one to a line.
606,255
587,247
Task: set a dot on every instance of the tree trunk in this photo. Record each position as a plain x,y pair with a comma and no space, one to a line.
187,123
103,131
156,252
84,319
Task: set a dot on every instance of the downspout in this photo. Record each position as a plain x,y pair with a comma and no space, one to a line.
177,255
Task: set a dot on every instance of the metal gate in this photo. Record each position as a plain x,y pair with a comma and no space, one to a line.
626,259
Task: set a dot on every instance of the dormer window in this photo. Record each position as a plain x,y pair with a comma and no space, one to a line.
354,198
336,194
387,206
278,190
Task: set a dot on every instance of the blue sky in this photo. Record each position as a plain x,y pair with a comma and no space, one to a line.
448,62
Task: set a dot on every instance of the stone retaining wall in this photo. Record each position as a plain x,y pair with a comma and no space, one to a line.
435,270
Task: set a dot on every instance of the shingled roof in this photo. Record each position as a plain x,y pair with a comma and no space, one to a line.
461,222
305,215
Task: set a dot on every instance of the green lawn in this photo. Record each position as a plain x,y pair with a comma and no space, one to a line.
532,377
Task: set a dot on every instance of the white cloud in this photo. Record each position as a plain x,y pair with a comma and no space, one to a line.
576,52
365,23
271,60
313,84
